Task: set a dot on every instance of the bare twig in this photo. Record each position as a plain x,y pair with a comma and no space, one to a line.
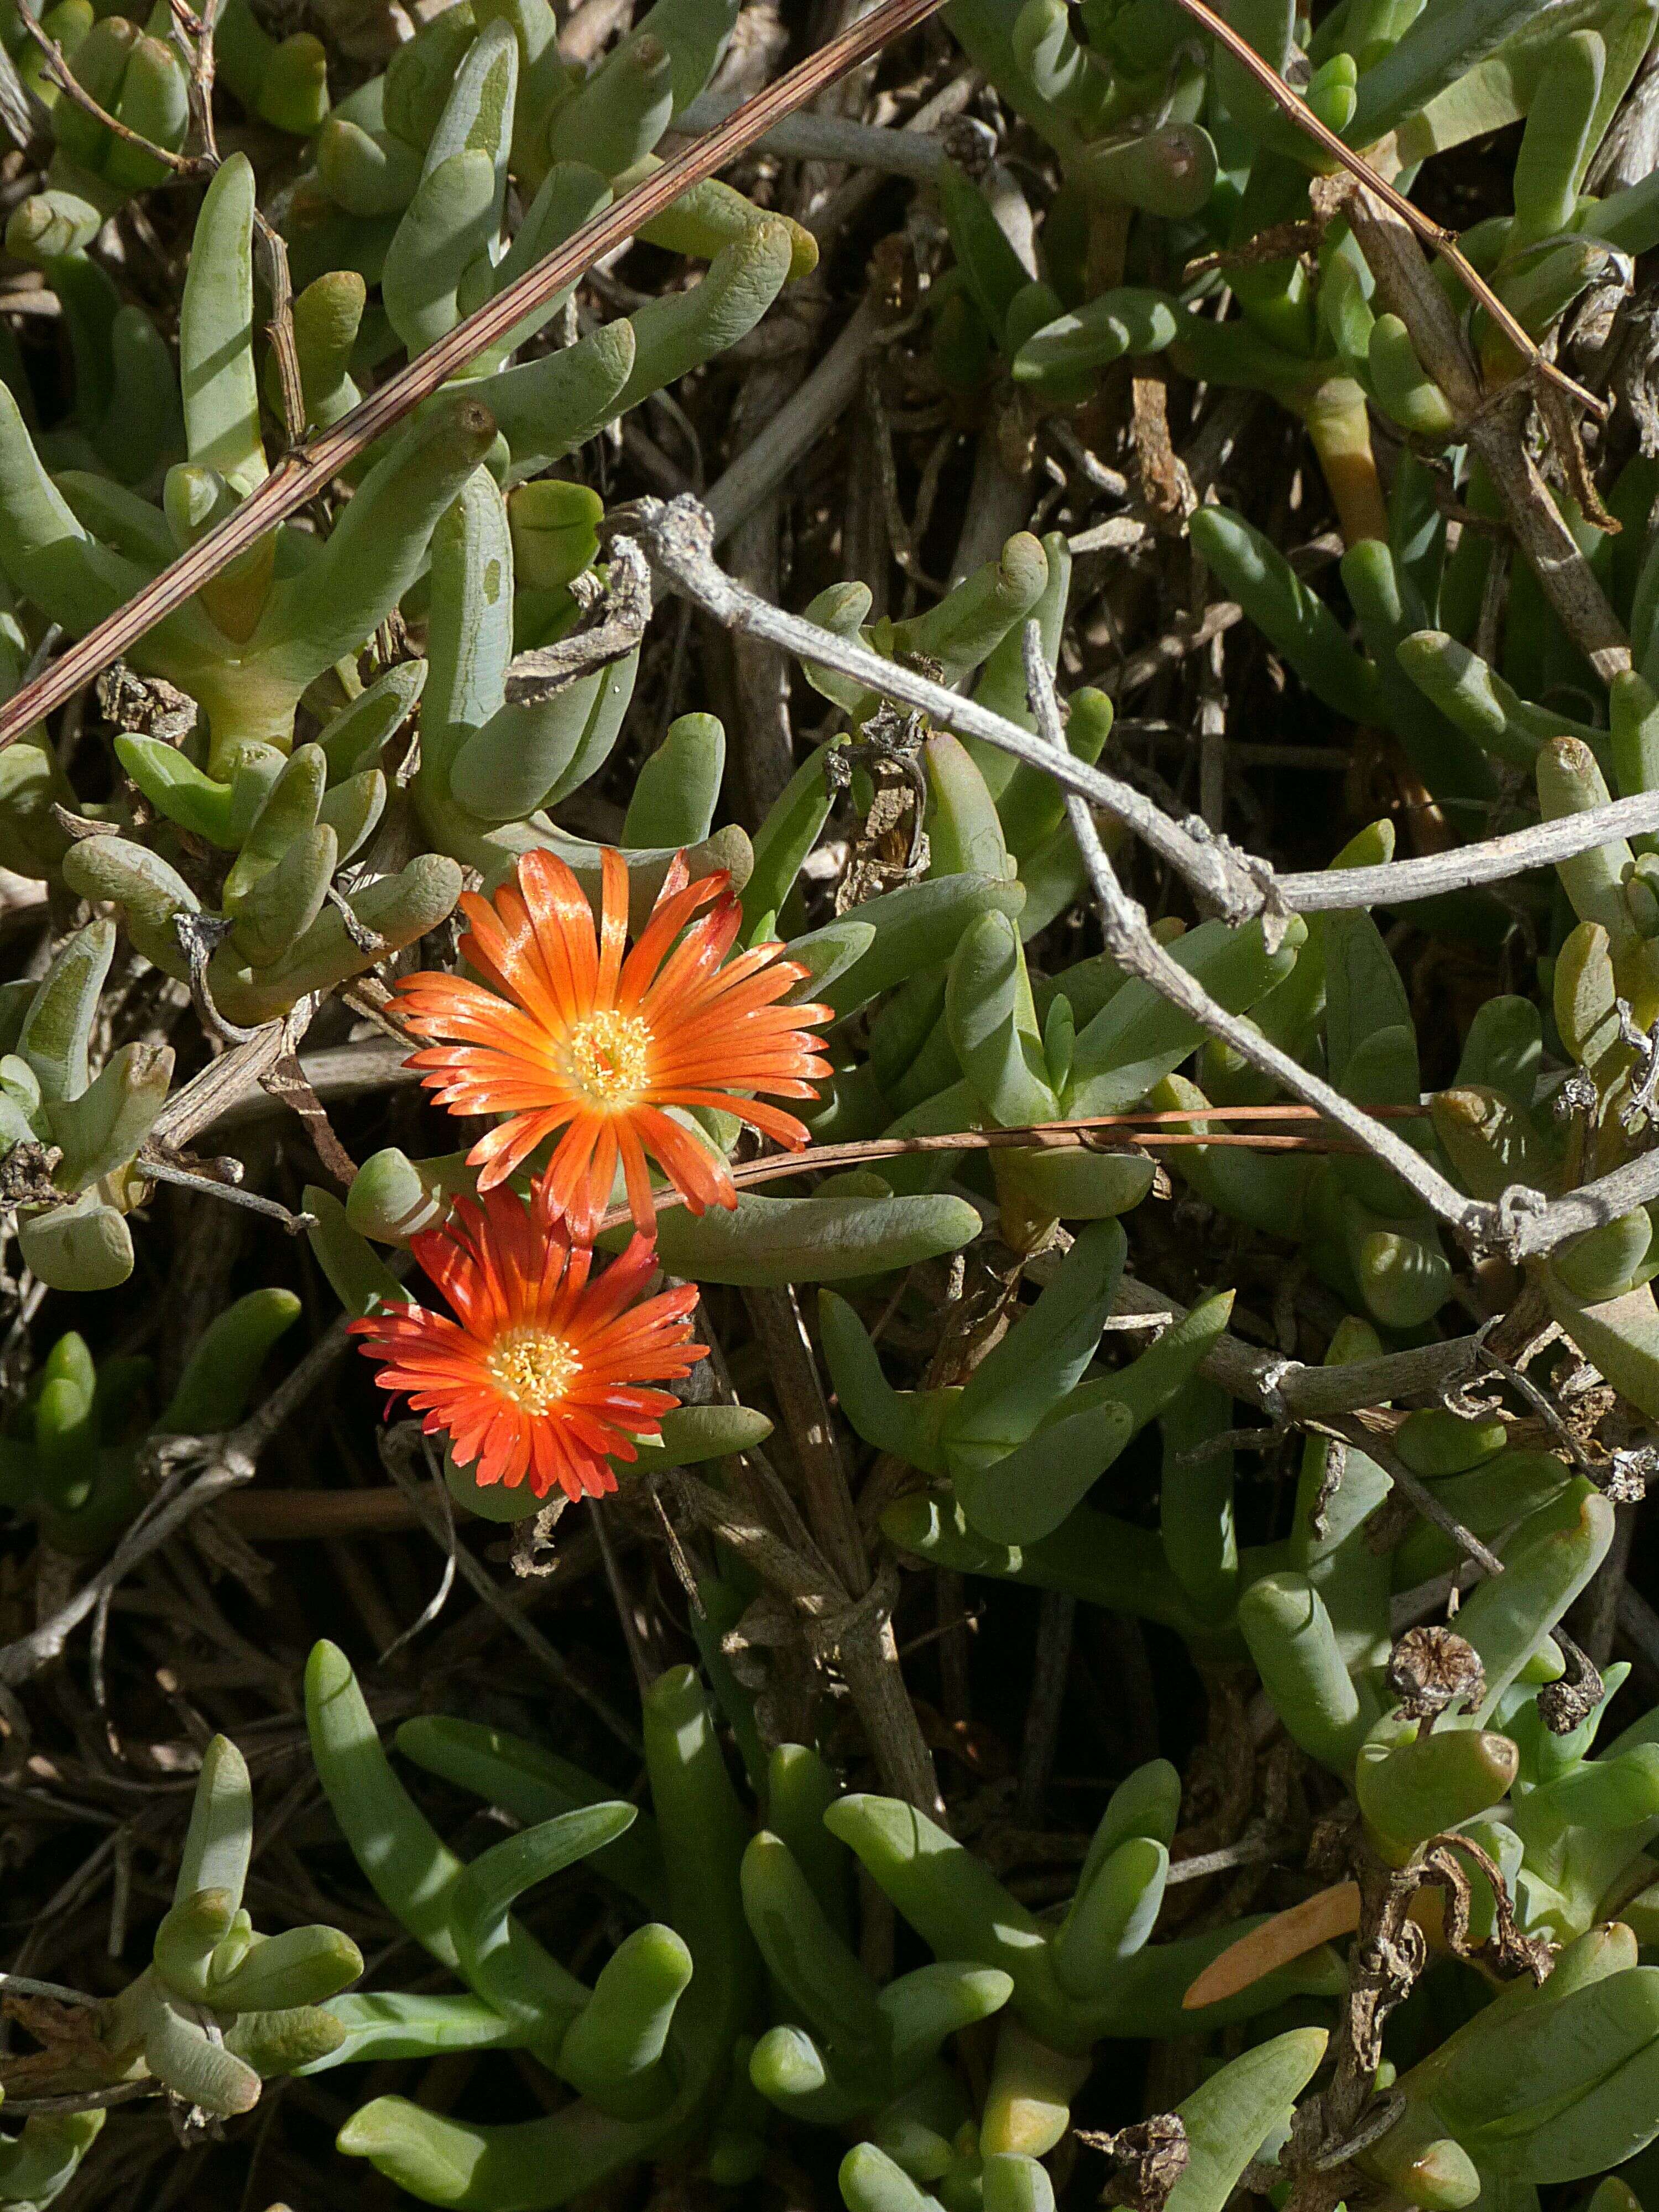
398,1456
1496,859
817,138
831,216
1329,1400
678,538
768,458
221,1464
855,1632
221,1092
811,1428
613,627
1236,886
1522,1222
155,1167
1132,944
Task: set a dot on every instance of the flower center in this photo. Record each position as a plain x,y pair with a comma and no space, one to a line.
607,1056
534,1368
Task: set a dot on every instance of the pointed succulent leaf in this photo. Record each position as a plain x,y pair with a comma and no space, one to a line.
356,1274
1294,1645
219,1841
967,625
547,407
815,1967
1112,1916
189,1933
677,790
1293,618
175,786
535,1784
384,2024
301,1966
993,1028
101,1129
290,2040
928,2006
811,1240
1230,2116
1046,1353
680,331
1546,1564
871,2182
495,1956
916,926
57,1027
195,2066
397,909
216,332
1019,1496
352,741
895,1421
225,1361
411,1871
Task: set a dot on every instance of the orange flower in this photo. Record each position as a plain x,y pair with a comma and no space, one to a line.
541,1374
574,1035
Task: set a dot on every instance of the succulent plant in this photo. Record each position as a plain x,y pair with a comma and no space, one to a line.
1547,2083
81,1133
671,2042
408,172
438,687
39,2161
1251,2099
653,2048
72,1453
220,2010
282,928
246,648
134,73
125,419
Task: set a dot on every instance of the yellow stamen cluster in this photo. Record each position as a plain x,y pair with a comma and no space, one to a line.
607,1056
534,1368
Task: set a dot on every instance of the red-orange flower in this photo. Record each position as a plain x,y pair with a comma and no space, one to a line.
579,1035
542,1372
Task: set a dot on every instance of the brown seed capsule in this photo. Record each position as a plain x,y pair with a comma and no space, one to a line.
1151,2158
1432,1668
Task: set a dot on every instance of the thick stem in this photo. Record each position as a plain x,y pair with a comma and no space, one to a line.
811,1429
769,459
900,1750
1406,286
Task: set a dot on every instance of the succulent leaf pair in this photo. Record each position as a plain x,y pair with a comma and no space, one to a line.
220,2010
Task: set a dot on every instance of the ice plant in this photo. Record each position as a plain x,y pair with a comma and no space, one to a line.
577,1035
544,1373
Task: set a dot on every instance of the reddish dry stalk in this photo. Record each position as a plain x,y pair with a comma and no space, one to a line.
300,476
1036,1136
